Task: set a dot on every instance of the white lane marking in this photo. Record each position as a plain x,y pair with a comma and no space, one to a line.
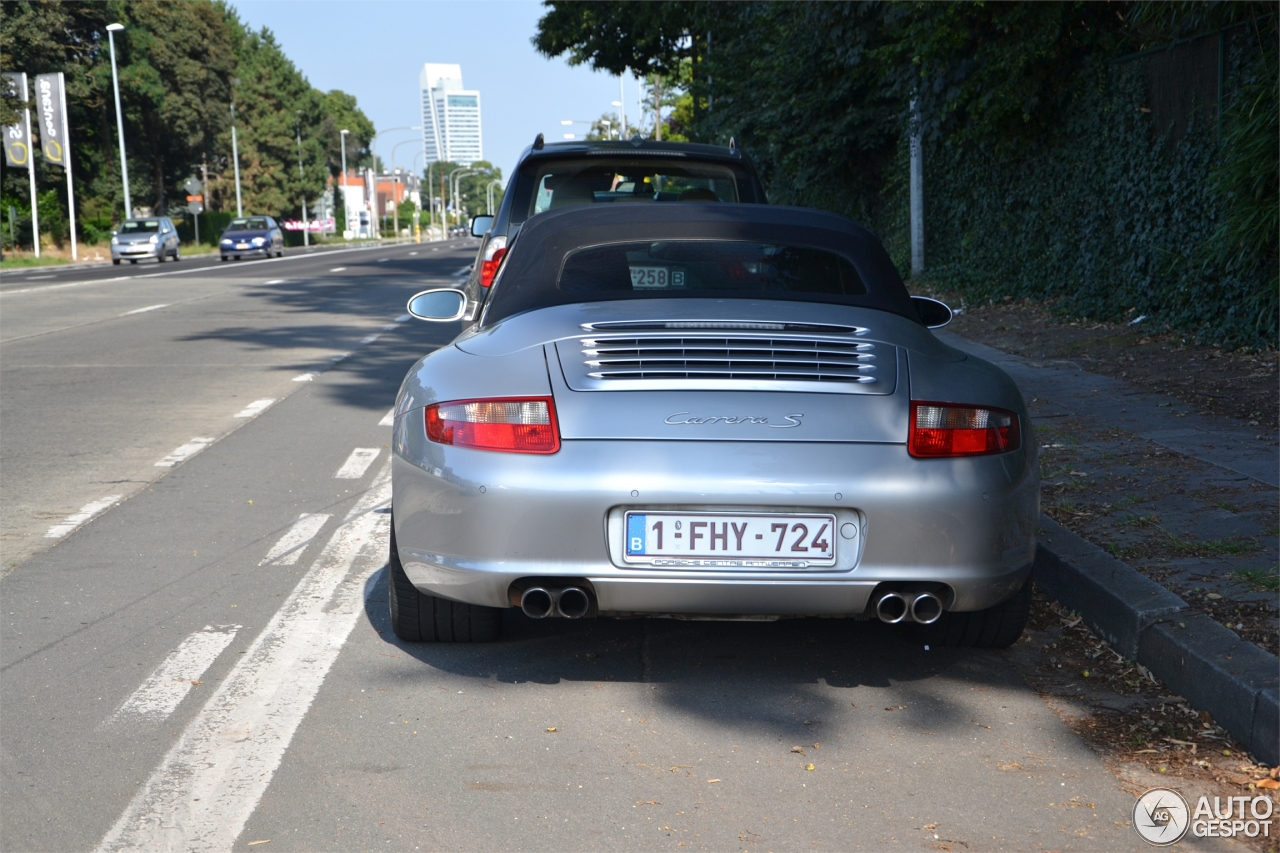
383,260
389,419
277,281
145,310
435,250
388,327
357,463
306,377
404,318
295,540
36,277
413,253
342,356
338,269
170,682
88,511
185,452
187,271
462,272
208,785
255,408
368,339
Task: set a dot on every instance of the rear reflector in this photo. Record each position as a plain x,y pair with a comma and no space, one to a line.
519,425
945,429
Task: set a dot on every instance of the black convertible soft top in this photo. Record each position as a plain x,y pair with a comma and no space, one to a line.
531,278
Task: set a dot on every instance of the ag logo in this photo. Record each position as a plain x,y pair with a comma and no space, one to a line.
1161,816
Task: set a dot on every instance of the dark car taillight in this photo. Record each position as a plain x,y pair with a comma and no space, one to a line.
947,429
513,425
494,252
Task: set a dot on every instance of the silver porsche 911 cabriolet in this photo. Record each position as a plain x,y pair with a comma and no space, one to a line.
707,411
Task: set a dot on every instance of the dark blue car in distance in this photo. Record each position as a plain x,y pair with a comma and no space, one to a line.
251,235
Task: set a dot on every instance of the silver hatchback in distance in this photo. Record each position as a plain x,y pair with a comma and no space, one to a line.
707,411
145,237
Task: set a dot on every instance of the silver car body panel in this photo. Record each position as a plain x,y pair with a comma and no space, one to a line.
469,523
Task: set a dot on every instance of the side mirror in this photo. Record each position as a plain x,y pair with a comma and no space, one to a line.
439,305
480,225
933,313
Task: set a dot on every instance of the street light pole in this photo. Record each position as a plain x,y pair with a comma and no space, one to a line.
235,150
452,198
306,224
112,29
489,195
374,153
342,137
457,189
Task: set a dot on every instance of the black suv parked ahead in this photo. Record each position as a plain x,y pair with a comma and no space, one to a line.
567,174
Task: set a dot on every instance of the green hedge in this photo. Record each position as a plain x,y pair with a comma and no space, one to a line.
1105,217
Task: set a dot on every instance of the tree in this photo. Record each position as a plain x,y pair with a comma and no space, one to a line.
342,113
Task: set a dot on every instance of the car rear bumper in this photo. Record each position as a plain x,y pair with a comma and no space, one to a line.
471,523
265,251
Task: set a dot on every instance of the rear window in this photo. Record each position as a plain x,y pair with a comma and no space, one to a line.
558,185
705,268
251,224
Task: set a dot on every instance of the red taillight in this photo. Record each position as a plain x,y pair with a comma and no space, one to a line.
945,429
514,425
489,267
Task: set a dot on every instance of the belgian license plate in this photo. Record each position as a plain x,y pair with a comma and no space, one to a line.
242,245
655,278
712,539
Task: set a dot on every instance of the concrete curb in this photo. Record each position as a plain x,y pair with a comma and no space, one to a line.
1202,661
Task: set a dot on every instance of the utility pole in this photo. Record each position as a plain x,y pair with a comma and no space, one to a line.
917,194
306,224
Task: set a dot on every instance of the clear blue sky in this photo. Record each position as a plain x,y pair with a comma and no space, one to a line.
375,49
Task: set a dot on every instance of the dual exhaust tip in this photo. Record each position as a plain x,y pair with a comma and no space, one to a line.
539,602
922,607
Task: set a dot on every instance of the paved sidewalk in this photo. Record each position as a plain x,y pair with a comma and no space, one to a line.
1161,530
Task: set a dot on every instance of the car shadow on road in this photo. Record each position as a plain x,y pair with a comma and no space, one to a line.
775,676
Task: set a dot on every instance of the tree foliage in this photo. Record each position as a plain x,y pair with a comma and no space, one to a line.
177,61
1013,100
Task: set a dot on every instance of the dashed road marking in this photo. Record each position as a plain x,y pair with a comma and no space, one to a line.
255,408
338,269
383,260
388,327
210,782
357,463
368,339
404,318
185,452
295,540
277,281
88,511
413,253
145,310
389,419
170,682
36,277
306,377
342,356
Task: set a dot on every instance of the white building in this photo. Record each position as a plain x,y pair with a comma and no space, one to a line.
450,116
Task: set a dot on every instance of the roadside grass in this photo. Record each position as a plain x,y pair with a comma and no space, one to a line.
11,263
1210,547
1259,579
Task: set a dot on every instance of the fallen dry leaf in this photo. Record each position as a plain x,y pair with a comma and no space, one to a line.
1268,783
799,749
196,682
930,827
810,766
265,840
648,803
551,728
712,781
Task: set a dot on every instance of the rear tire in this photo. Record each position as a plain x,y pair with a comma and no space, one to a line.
419,618
115,262
994,628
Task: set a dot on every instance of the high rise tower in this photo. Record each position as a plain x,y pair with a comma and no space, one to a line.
450,116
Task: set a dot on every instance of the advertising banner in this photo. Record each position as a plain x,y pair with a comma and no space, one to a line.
50,115
315,226
17,137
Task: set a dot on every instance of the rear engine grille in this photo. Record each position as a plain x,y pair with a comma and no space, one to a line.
730,358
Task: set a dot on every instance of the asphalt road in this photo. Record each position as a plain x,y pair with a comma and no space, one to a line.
199,657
